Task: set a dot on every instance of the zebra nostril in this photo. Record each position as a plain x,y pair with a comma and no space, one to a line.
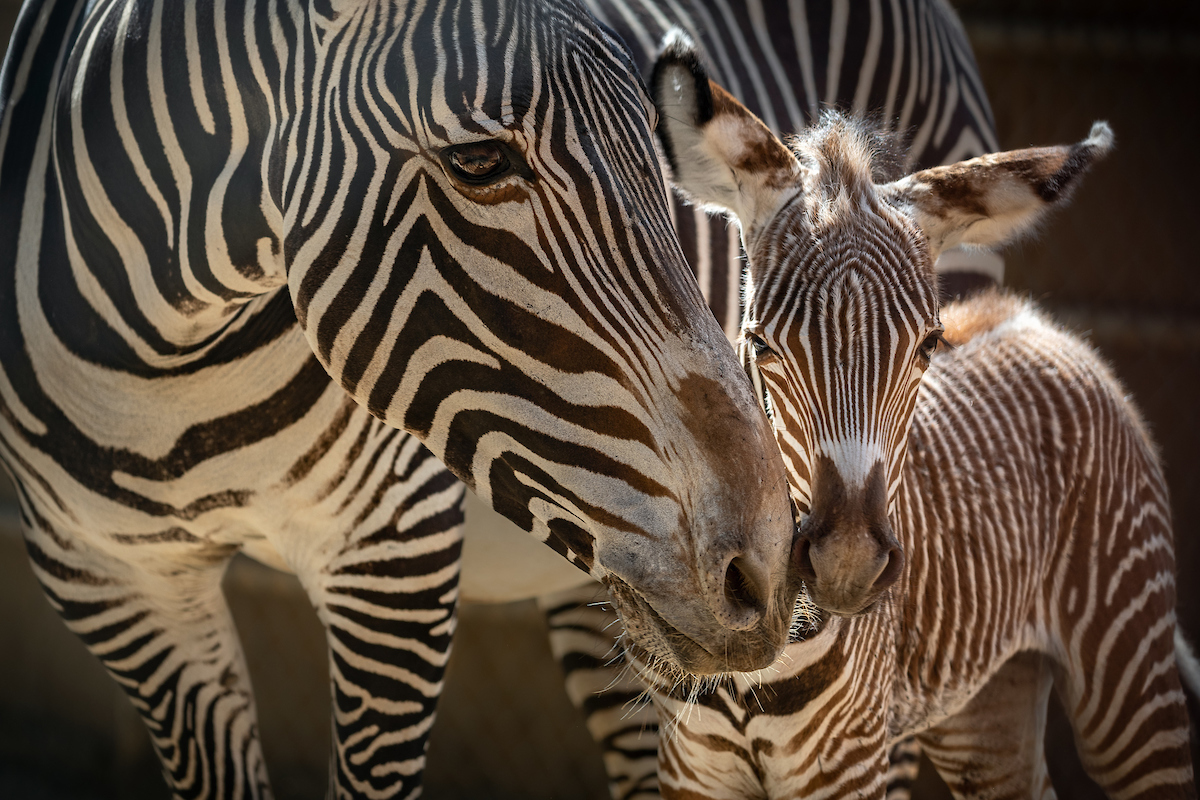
738,590
891,570
743,602
802,558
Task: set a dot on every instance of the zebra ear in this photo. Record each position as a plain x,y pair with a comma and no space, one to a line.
720,154
995,198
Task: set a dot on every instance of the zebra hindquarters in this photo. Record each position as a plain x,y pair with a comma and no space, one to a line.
1119,680
583,631
1112,603
151,609
381,567
992,749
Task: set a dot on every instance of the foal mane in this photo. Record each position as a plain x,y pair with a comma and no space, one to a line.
844,157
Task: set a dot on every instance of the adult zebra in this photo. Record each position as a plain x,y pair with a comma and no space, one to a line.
254,240
905,62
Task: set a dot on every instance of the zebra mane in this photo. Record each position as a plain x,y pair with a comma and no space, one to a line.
844,157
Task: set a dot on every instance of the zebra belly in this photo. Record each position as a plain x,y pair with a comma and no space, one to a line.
917,706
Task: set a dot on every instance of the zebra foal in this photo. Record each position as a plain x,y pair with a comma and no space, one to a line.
976,526
282,277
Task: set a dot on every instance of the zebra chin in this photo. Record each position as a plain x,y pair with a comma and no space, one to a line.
705,649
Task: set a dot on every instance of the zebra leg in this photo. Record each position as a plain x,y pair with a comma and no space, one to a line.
387,593
994,748
151,609
1129,714
904,762
583,637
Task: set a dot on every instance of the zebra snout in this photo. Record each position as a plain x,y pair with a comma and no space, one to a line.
845,572
846,563
845,551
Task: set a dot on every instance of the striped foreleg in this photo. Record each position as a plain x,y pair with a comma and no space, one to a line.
160,625
993,748
583,636
904,763
387,592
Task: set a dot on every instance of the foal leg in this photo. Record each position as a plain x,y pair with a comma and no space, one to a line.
1130,718
156,618
993,748
583,637
904,764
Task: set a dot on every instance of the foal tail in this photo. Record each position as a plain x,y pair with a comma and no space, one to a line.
1189,666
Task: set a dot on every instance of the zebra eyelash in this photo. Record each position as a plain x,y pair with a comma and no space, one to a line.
927,347
758,347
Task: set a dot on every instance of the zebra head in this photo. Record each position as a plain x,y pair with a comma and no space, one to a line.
841,316
479,249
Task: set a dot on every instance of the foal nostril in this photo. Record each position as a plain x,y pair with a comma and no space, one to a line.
891,570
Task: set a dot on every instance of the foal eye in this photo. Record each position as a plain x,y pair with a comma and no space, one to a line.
758,346
925,351
477,163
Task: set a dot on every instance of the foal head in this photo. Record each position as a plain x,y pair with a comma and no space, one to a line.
841,316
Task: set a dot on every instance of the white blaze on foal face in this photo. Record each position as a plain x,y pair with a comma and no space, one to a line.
841,298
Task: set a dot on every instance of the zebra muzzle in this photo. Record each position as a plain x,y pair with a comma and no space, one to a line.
848,574
845,551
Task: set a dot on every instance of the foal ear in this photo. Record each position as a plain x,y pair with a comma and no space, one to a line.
720,154
997,197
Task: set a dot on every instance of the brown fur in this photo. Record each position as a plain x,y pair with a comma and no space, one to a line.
965,320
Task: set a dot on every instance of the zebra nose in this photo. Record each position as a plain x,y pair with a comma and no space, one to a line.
845,571
892,568
740,602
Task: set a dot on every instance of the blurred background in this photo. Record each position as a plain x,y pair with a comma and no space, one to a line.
1121,265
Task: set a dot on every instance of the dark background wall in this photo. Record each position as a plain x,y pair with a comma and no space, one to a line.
1120,265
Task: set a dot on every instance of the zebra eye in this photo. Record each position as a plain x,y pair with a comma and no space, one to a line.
925,351
477,163
758,347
